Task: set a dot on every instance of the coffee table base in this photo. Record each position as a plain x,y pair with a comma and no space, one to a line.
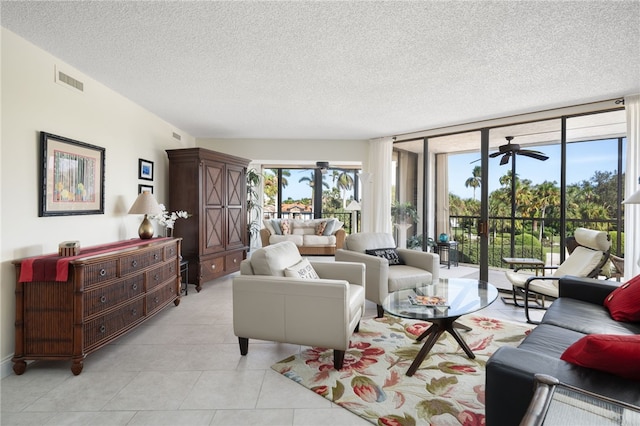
433,333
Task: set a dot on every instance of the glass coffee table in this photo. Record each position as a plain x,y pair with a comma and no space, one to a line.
441,304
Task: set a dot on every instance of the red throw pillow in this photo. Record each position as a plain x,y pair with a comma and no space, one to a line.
615,354
624,302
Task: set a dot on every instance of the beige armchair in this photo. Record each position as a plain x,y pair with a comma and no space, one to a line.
322,312
417,267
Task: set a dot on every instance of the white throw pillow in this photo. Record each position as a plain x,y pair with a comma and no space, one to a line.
302,269
267,224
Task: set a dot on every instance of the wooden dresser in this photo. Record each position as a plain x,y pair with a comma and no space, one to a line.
109,290
212,187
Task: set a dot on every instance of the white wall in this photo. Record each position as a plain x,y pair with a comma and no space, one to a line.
33,102
299,152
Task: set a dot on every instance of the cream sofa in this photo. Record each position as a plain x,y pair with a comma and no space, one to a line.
298,308
307,235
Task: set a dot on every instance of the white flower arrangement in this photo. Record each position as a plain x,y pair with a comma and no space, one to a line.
168,219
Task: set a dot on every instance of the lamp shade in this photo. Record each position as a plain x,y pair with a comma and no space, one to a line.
145,204
353,206
633,198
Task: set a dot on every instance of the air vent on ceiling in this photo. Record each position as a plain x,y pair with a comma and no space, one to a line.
65,79
177,136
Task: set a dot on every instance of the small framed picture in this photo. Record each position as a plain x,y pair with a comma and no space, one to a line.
145,169
145,188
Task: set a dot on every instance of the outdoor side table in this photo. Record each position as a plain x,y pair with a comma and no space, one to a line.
524,263
448,252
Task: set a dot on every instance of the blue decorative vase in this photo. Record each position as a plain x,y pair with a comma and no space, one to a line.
443,238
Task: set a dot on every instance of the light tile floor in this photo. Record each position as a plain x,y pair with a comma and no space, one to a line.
183,367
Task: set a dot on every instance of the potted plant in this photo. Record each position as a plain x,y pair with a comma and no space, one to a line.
254,209
404,213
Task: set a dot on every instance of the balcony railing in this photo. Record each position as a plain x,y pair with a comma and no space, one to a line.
533,237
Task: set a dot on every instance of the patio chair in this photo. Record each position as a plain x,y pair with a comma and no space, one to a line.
618,265
586,260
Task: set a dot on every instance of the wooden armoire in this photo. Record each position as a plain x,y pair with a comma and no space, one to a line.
211,186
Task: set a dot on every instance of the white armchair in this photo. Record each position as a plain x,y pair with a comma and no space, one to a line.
381,278
590,254
323,312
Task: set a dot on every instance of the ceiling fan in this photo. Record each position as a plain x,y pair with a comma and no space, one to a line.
512,149
323,166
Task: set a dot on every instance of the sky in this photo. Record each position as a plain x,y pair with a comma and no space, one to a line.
586,158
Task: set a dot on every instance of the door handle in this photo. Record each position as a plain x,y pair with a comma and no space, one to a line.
483,228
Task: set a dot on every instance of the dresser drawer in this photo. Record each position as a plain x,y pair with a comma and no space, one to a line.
106,326
159,297
232,261
161,274
137,261
103,298
211,268
170,252
100,272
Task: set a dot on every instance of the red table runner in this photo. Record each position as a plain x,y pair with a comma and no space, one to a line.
53,267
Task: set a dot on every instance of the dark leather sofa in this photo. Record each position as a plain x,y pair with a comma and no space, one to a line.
578,311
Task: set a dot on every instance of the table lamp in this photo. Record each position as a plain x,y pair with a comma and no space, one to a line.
145,204
353,207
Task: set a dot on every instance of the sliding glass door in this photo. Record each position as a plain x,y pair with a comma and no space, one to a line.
520,190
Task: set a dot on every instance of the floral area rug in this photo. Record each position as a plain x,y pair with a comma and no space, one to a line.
447,389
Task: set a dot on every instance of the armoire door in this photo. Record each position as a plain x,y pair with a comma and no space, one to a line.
236,200
213,207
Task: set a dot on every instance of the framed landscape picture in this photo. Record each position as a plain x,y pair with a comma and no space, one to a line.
72,177
145,169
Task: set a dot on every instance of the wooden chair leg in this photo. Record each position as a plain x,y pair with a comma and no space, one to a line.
244,345
338,359
380,311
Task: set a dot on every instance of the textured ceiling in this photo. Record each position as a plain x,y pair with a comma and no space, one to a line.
341,70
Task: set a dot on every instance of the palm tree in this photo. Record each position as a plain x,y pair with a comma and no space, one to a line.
345,183
475,180
547,195
285,173
311,182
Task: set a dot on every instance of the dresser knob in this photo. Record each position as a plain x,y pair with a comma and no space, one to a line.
155,256
156,277
156,300
213,266
134,287
134,263
103,299
235,260
103,272
134,312
103,329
